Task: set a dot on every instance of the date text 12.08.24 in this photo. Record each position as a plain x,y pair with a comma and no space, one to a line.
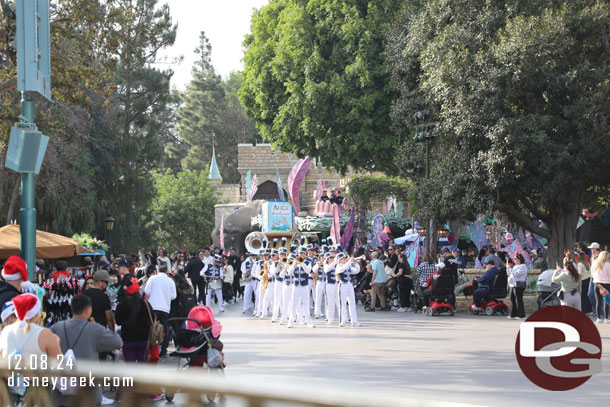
39,362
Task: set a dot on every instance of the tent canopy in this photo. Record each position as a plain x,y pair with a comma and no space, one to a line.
48,245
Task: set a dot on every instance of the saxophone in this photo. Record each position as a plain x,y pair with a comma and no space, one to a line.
265,275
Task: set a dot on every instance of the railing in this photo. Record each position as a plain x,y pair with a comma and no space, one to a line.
194,383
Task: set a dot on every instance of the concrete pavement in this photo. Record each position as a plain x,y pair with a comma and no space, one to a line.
464,358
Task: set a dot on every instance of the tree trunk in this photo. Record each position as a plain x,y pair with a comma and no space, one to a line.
563,231
361,225
14,196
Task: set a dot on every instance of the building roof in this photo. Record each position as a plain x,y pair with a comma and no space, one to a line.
214,172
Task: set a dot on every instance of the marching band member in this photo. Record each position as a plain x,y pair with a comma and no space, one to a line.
247,273
286,274
300,271
214,277
320,289
278,285
331,287
313,259
270,292
347,271
260,291
256,269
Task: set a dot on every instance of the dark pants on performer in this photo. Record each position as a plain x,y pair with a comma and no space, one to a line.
516,299
405,285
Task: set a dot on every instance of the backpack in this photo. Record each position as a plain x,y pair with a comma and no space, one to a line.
186,302
69,359
16,383
156,335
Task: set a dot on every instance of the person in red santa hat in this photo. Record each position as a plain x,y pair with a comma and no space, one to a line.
25,336
14,273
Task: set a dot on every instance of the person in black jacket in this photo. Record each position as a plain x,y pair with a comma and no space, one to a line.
192,271
14,273
235,262
134,315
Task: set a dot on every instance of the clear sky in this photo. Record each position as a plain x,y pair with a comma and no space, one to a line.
225,23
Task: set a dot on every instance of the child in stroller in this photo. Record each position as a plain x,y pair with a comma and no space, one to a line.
197,341
547,290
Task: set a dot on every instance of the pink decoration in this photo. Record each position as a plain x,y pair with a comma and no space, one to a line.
296,178
335,229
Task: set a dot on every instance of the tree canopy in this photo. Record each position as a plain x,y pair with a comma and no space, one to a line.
182,213
315,80
520,98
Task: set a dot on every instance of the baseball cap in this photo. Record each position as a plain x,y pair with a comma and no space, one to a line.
101,275
456,250
490,262
594,246
123,264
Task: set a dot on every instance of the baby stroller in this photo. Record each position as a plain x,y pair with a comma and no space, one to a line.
547,290
197,343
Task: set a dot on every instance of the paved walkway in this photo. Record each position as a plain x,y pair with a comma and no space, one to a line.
463,358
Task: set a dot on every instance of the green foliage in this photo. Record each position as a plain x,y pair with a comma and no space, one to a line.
520,95
90,242
366,189
210,114
315,80
182,213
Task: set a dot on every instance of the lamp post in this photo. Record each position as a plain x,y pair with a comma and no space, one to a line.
109,226
424,132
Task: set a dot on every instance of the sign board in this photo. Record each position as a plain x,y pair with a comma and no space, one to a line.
34,47
277,217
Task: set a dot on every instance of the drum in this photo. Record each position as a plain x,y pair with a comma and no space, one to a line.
215,284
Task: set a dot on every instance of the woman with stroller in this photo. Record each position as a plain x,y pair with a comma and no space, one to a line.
133,315
569,279
517,276
405,282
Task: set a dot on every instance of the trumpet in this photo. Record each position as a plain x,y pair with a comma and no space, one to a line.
355,259
284,260
300,260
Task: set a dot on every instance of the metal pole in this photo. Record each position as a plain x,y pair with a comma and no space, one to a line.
27,214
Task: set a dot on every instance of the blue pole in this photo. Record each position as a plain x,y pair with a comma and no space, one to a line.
27,214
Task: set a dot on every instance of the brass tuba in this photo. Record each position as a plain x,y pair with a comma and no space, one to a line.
265,275
255,242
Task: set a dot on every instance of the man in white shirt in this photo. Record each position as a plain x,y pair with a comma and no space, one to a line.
161,290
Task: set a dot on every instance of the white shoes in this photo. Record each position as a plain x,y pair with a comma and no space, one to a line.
311,325
356,324
290,325
408,309
509,317
599,321
607,321
107,402
401,309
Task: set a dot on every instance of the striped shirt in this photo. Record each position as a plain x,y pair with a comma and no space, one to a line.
424,271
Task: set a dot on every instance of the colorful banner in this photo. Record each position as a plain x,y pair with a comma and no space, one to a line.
319,189
296,178
348,232
378,224
278,181
412,252
335,228
253,187
222,231
477,233
248,180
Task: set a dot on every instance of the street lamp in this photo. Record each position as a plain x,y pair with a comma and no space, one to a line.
442,233
109,226
422,231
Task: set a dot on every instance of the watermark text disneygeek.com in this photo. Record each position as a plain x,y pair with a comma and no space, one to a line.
62,383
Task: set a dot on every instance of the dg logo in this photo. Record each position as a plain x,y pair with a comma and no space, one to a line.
559,348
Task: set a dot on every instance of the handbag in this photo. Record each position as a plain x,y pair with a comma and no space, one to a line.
521,284
156,335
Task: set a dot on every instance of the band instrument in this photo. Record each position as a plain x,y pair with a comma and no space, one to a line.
265,275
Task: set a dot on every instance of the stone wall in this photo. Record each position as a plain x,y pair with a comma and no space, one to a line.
228,193
262,161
